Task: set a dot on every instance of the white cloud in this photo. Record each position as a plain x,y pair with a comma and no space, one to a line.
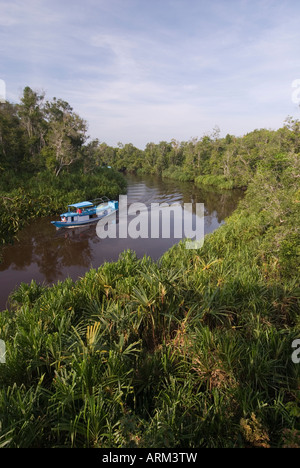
31,12
2,91
141,71
11,14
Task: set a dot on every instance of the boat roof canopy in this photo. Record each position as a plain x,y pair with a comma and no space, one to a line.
82,204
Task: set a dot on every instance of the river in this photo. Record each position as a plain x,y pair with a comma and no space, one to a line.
47,255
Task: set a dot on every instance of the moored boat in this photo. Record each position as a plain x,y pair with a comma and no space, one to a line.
86,212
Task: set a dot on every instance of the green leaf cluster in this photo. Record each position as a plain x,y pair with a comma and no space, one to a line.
191,351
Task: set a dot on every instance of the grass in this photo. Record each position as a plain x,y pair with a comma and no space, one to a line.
138,355
191,351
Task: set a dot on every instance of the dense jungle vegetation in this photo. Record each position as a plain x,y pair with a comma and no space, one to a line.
191,351
224,163
45,163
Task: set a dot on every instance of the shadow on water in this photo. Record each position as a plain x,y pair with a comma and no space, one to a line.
48,255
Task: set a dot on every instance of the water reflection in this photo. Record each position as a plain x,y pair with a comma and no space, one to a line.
48,255
153,189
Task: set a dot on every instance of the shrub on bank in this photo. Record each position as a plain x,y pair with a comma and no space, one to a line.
191,351
219,182
45,195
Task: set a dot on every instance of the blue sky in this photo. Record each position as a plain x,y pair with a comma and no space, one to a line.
143,71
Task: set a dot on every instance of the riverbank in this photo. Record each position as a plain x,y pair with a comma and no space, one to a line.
208,182
44,194
191,351
47,255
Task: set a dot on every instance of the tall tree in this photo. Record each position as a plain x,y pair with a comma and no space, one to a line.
66,135
31,114
12,138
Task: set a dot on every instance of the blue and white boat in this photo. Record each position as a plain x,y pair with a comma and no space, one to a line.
86,212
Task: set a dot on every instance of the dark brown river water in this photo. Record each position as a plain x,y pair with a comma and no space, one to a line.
48,255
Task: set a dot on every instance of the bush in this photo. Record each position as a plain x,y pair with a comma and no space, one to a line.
45,194
219,182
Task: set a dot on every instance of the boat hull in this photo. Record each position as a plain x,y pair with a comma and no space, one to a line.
74,224
61,224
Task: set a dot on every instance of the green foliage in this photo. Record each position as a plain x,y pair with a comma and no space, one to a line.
191,351
13,149
45,194
177,173
212,161
44,164
216,181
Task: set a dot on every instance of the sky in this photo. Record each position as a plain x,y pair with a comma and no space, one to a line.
141,71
